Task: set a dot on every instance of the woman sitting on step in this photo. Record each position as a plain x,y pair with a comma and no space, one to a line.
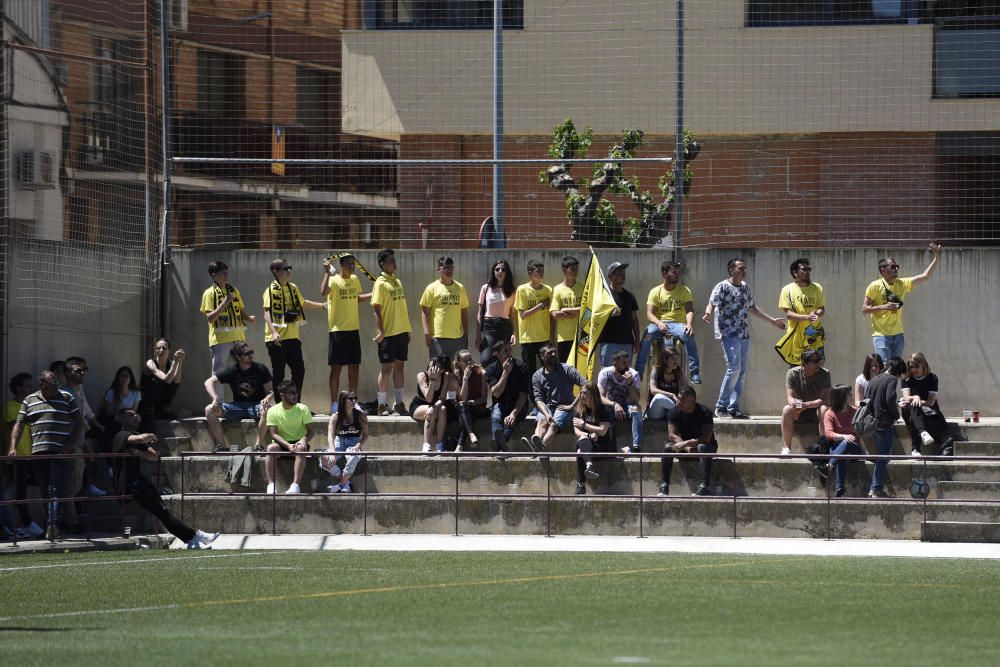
665,384
434,404
472,393
922,410
348,430
593,434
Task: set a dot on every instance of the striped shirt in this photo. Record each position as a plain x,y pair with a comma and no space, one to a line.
51,420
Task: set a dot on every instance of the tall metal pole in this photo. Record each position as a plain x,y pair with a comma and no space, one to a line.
167,155
498,118
679,140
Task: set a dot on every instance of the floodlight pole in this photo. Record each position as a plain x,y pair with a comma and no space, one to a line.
498,120
679,137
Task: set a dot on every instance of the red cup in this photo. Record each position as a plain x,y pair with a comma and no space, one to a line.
975,416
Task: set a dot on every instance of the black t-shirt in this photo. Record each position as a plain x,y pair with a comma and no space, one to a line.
519,381
692,425
247,385
922,387
619,329
128,468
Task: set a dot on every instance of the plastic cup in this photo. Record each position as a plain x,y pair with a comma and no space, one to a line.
127,532
967,415
975,416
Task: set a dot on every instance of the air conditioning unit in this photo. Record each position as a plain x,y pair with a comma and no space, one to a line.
35,170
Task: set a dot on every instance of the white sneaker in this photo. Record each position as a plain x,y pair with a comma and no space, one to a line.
346,488
785,451
293,489
270,488
915,453
926,438
333,488
205,539
426,448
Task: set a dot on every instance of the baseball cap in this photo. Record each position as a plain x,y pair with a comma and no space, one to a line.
614,266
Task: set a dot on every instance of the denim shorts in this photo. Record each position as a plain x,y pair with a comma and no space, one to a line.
342,444
241,410
562,418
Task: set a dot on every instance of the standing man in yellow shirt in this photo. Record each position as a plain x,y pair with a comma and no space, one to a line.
444,312
531,301
392,332
223,307
884,302
670,312
565,308
804,304
284,313
342,290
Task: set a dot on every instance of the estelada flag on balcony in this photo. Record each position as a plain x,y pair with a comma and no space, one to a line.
278,149
596,304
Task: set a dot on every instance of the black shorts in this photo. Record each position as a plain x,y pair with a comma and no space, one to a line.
393,348
564,347
344,348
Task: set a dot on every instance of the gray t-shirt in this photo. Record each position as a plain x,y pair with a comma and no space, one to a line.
555,388
807,388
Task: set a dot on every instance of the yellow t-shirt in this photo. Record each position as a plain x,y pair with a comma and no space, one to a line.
802,300
23,447
286,331
566,297
887,322
226,328
536,328
388,293
446,303
290,423
342,303
668,305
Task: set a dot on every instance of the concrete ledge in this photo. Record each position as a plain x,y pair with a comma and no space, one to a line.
977,448
961,531
588,515
97,542
966,490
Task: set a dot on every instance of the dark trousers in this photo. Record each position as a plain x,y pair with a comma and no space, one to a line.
467,414
586,446
530,355
146,496
493,329
289,353
51,475
917,421
22,468
704,463
564,347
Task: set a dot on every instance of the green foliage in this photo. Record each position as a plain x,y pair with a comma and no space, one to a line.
567,143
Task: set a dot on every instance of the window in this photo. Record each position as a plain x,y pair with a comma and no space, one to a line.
316,104
221,78
114,122
829,12
440,14
965,57
968,190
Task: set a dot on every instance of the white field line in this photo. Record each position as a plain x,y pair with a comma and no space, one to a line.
106,563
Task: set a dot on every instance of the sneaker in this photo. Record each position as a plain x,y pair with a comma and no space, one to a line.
785,451
205,539
34,530
915,453
736,414
400,409
219,447
664,489
426,448
636,449
528,445
702,490
333,488
270,489
539,445
383,410
23,534
95,492
590,473
926,438
841,493
721,413
695,378
293,489
581,489
196,543
948,447
346,488
880,493
52,532
627,449
439,448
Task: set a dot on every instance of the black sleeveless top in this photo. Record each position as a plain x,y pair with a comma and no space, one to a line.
350,429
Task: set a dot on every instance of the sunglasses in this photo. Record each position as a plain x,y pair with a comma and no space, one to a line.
248,353
892,266
351,397
80,371
499,269
807,269
284,268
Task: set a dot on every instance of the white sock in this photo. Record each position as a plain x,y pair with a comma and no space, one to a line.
399,395
381,398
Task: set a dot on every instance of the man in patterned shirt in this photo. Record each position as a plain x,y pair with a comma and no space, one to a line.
734,300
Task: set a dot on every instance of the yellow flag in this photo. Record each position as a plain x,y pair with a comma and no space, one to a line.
596,304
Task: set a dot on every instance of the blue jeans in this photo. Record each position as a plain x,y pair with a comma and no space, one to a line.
843,447
635,413
654,335
884,436
888,347
737,351
609,350
497,426
660,407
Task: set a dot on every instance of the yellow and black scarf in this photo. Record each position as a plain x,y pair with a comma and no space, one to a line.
233,317
279,307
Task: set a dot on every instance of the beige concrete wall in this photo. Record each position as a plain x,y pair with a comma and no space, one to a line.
951,318
612,67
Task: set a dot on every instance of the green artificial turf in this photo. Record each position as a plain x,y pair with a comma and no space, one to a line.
432,608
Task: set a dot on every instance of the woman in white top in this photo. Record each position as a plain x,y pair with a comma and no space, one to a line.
123,393
496,310
873,366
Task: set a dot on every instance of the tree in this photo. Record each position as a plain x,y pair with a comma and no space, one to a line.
593,217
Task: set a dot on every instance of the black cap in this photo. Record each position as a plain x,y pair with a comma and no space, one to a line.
614,266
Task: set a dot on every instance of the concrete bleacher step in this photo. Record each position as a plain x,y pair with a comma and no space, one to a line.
961,531
582,515
762,434
786,476
977,448
968,490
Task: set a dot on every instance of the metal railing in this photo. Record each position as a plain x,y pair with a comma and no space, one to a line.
734,497
46,499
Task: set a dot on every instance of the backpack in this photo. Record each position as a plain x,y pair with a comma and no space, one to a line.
864,421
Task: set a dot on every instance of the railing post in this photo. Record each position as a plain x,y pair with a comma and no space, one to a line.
364,496
734,497
183,465
926,495
548,496
641,458
456,494
17,502
274,501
